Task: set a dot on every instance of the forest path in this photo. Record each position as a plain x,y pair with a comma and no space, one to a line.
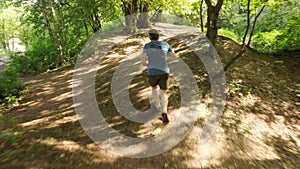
260,126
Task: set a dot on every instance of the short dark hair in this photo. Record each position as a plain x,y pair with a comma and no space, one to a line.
153,34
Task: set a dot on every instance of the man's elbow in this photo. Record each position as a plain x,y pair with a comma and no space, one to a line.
144,63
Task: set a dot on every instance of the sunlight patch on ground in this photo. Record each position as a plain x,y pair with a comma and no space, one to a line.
94,153
62,96
114,55
68,119
209,154
257,150
131,49
155,127
36,122
47,120
66,145
144,93
256,132
249,100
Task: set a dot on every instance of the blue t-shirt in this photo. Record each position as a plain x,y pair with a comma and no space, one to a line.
157,57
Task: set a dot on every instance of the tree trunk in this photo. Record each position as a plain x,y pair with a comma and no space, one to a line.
253,26
130,11
212,20
43,8
62,21
248,25
201,16
95,22
58,37
240,54
86,29
143,21
159,16
3,37
98,22
243,48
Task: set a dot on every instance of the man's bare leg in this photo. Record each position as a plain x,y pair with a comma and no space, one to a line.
155,95
164,105
164,100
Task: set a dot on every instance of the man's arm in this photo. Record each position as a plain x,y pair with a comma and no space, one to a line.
172,57
144,59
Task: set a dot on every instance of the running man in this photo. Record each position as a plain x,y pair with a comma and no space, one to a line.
155,56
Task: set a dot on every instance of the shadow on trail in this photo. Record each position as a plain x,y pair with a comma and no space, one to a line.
261,118
249,135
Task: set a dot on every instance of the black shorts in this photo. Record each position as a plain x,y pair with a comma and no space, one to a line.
160,80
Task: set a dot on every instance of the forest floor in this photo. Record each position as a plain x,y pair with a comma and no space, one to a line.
260,126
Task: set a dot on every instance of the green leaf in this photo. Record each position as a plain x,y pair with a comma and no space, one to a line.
62,155
298,95
297,103
279,61
282,81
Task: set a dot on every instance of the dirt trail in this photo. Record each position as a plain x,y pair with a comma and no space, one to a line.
260,127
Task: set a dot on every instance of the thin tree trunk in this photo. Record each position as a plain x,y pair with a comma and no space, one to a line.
58,37
62,20
201,16
154,17
240,54
248,25
254,24
243,48
98,22
159,16
212,20
95,22
134,16
86,29
3,38
43,8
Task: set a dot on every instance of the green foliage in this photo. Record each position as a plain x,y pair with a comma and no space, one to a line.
174,19
10,135
289,39
277,28
277,41
229,34
186,12
10,85
265,41
9,130
38,58
233,18
9,25
237,86
12,100
112,26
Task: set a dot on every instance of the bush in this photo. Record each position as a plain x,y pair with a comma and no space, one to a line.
10,136
265,42
38,59
289,37
10,85
229,34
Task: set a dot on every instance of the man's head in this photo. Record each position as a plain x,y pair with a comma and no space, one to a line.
153,34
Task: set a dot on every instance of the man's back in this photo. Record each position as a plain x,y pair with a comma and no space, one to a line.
157,57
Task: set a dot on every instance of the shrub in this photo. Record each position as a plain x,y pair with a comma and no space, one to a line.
10,85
